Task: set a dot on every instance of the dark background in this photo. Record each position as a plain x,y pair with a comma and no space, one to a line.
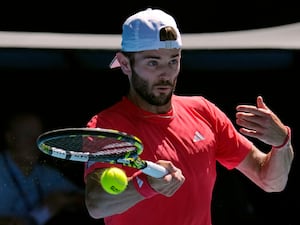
67,87
107,16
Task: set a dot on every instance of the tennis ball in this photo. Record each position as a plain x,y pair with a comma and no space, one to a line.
114,180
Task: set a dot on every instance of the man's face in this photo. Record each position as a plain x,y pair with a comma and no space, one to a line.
154,75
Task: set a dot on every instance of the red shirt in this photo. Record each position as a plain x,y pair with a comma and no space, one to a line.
194,135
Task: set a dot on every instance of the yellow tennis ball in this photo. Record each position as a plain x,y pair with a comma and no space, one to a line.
114,180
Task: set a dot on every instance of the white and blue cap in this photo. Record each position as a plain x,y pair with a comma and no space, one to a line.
141,32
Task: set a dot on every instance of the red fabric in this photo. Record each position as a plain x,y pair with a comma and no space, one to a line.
142,185
194,136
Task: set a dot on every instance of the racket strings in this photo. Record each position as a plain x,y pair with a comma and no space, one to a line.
106,146
90,146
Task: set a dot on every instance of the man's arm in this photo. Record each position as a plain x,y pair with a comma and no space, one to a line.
100,204
268,170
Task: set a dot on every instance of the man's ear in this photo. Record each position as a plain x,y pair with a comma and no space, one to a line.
124,63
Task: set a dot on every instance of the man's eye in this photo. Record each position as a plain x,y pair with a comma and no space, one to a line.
152,63
174,62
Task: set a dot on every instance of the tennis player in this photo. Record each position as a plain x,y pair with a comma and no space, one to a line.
186,134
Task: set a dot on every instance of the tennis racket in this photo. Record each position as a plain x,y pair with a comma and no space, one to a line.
98,144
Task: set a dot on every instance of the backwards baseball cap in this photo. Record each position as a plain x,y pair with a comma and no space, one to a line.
141,32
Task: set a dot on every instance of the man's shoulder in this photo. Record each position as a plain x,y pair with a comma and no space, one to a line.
193,99
198,103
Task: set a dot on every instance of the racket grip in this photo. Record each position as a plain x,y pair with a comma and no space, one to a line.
154,170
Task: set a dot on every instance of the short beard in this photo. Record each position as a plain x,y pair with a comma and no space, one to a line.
141,87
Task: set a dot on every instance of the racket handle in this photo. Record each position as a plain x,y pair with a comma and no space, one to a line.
154,170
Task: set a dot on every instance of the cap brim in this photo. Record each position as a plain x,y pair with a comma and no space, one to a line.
114,63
